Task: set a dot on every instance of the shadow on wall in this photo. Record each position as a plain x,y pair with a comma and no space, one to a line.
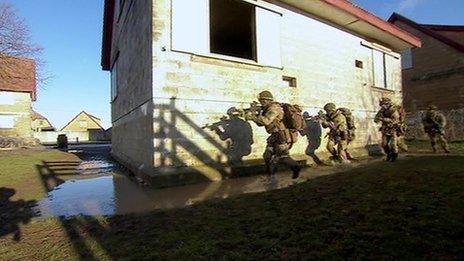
175,152
14,213
313,134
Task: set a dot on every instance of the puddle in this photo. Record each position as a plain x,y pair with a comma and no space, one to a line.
112,192
119,194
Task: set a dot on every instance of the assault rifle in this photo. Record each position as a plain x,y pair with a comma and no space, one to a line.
254,109
321,117
216,125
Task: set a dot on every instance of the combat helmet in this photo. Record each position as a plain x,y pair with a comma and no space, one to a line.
432,107
330,107
385,101
233,111
265,95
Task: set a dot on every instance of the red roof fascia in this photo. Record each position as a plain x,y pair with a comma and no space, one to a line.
107,34
369,18
21,76
423,28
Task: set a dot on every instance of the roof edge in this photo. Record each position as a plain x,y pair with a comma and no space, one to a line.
423,28
375,21
444,27
108,17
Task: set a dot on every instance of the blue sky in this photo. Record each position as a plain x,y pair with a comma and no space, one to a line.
70,32
421,11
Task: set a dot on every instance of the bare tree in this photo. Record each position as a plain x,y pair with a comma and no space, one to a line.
15,42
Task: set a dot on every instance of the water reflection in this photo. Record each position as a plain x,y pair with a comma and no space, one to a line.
101,188
119,194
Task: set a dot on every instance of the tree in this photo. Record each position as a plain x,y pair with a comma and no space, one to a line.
15,42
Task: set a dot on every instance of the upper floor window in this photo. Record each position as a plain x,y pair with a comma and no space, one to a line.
378,62
7,98
233,28
7,121
114,79
83,123
406,59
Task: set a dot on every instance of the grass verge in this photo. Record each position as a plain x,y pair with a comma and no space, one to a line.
412,209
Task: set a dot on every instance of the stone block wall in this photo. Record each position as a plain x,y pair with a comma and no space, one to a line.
191,90
132,113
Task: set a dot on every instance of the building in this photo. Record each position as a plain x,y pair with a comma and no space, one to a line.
40,123
434,74
17,92
83,121
84,127
177,65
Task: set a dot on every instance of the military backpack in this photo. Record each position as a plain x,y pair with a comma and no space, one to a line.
349,122
293,117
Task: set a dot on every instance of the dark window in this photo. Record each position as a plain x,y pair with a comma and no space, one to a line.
359,64
232,28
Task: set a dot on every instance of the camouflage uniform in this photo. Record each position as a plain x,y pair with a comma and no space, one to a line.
338,134
281,139
434,125
389,116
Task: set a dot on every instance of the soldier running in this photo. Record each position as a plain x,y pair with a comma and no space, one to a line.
281,139
389,116
434,125
337,142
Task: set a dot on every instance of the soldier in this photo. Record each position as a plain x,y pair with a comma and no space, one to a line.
389,116
281,139
434,125
337,142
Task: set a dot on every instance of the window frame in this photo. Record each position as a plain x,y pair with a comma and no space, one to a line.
83,124
410,62
254,45
386,53
229,58
384,70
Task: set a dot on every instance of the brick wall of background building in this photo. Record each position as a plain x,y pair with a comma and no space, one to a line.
437,77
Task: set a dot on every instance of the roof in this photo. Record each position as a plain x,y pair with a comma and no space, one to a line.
339,12
93,118
107,34
431,30
18,75
38,116
443,27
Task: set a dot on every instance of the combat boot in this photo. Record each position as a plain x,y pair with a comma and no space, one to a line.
447,151
296,172
389,157
394,157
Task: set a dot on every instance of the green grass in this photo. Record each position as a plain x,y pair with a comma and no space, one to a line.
21,170
411,209
456,147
